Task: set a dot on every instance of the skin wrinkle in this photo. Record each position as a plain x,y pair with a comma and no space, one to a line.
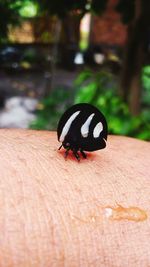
61,214
33,230
73,239
63,222
49,219
15,205
25,202
38,181
78,237
8,202
42,232
4,255
45,170
124,183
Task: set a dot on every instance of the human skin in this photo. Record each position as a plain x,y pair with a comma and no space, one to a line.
53,211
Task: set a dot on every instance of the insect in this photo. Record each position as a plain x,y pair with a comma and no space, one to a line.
82,128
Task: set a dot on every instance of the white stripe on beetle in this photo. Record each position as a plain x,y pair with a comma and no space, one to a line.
97,130
86,125
67,126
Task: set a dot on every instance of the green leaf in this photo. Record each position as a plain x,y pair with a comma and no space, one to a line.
86,93
83,76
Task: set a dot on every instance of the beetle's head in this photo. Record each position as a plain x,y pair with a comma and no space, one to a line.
66,145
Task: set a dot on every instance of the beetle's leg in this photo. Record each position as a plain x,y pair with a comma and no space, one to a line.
66,152
83,154
75,153
60,147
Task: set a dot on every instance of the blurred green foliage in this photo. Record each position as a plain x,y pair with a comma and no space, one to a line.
13,12
51,108
146,85
9,15
100,90
29,9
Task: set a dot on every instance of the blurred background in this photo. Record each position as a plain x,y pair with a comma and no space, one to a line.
57,53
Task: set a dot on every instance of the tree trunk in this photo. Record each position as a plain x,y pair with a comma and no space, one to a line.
134,57
70,39
71,24
49,75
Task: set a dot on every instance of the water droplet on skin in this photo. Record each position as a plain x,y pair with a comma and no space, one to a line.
121,213
87,219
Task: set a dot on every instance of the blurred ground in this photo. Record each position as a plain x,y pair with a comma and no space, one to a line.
33,83
20,92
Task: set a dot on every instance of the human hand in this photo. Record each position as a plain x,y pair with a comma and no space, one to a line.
58,213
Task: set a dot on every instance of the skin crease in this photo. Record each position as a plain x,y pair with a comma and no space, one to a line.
52,211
